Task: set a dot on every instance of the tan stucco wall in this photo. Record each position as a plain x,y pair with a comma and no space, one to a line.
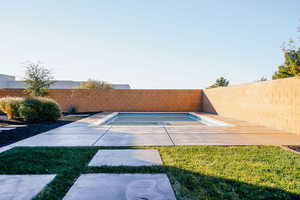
122,100
275,104
271,103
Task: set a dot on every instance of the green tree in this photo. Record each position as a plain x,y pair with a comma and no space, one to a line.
291,67
220,82
38,79
94,84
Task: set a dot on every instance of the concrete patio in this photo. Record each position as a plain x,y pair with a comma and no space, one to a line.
89,132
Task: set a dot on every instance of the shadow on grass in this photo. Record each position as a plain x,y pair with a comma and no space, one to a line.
69,163
194,186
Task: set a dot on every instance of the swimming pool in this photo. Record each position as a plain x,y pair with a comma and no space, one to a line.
160,119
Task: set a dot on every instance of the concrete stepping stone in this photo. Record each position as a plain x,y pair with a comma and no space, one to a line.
121,187
22,187
128,157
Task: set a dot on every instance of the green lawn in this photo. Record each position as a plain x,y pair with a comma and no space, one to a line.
196,172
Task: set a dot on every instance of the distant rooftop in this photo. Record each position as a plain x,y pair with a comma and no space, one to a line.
8,81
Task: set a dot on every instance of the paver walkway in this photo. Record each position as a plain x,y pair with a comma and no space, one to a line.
89,132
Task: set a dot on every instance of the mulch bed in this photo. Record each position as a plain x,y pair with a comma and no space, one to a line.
11,136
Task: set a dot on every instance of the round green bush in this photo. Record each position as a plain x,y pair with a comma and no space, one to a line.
30,110
50,110
28,113
39,109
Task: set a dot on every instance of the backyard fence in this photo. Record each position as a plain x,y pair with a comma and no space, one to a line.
90,100
274,104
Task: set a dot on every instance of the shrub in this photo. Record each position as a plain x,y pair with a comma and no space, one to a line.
39,109
50,110
10,106
72,109
30,109
95,84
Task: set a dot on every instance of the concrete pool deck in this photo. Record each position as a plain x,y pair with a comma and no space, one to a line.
88,132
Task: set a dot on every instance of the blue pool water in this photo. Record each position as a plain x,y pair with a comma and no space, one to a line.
154,119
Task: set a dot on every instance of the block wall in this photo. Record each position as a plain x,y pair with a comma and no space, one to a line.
274,103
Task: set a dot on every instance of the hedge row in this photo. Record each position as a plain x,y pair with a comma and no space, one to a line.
30,109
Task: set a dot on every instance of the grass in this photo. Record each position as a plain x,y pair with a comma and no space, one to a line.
195,172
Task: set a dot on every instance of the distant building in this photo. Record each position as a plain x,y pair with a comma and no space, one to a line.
7,81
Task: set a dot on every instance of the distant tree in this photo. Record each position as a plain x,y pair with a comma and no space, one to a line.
94,84
291,67
262,79
38,79
220,82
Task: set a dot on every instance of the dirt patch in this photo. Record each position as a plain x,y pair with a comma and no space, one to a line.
26,130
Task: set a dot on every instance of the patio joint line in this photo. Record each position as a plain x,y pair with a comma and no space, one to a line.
101,136
169,135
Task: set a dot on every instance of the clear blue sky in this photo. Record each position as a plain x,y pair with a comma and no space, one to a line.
148,43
